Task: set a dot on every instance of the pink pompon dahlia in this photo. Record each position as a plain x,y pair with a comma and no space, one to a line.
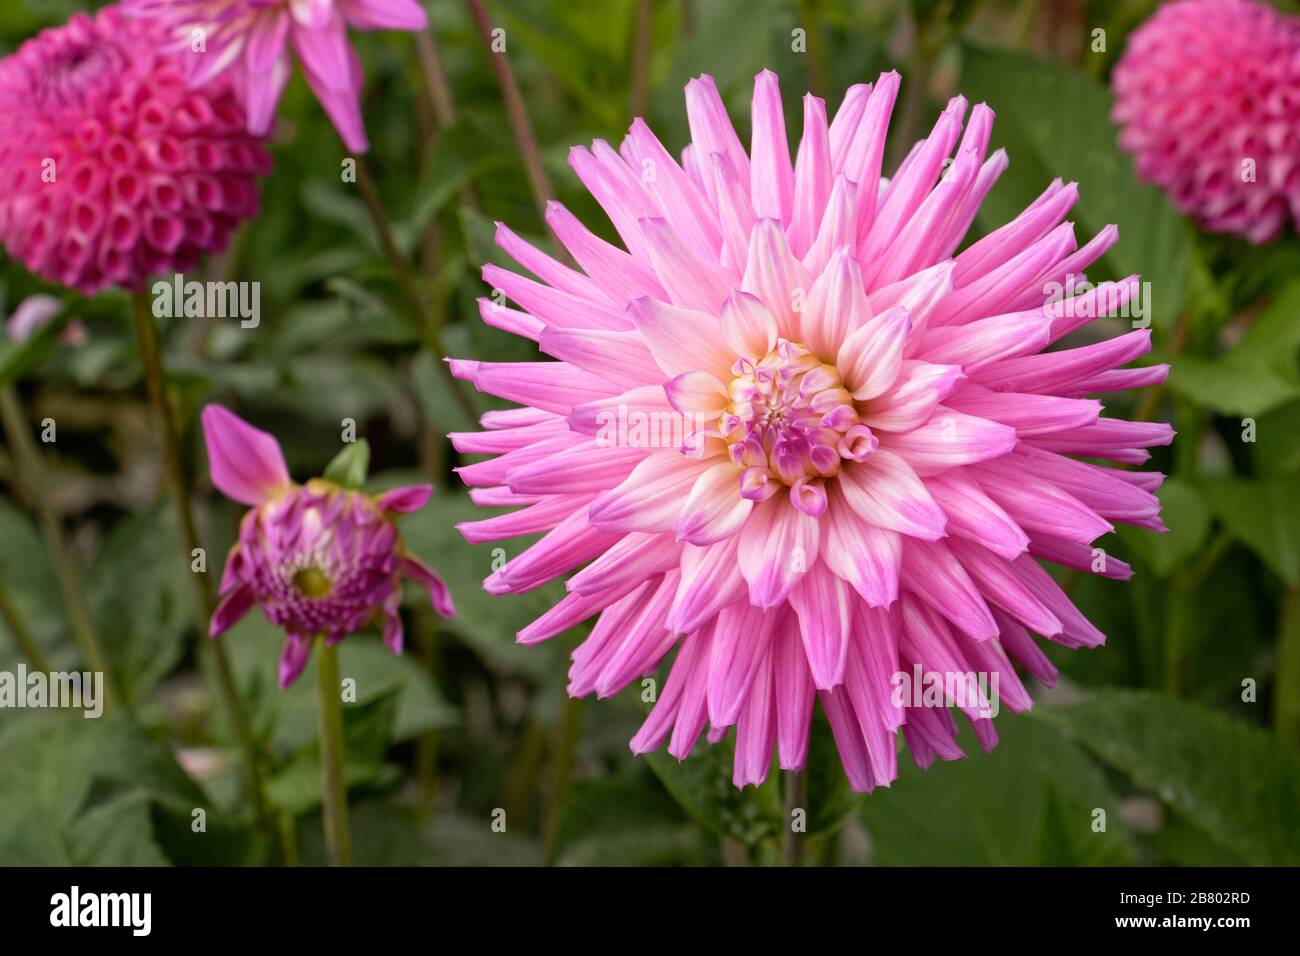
791,435
113,170
1208,95
251,39
318,559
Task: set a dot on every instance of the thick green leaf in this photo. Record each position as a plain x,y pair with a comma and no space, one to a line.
1231,385
626,821
1264,515
487,624
1233,782
1256,376
1030,802
702,785
1188,521
78,792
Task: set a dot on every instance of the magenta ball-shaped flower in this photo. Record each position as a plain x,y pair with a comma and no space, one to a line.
113,169
795,437
1208,98
318,559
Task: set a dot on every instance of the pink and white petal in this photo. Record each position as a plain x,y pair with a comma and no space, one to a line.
885,491
699,396
756,730
870,359
774,275
771,173
293,658
333,72
836,308
414,570
714,510
973,515
406,499
748,326
778,545
794,695
951,439
824,605
862,554
711,580
691,279
912,399
245,462
741,639
384,14
231,609
651,497
812,176
682,340
932,573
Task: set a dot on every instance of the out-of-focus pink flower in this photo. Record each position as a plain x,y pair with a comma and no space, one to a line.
113,170
34,313
251,40
793,435
1208,95
317,558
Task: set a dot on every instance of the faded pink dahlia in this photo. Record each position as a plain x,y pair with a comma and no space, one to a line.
318,559
113,170
1208,95
791,435
37,311
251,39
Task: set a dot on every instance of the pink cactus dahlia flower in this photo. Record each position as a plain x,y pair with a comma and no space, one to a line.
251,38
1208,95
317,558
792,435
114,170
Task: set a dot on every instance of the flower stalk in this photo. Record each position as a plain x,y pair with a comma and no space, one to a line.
178,485
18,629
30,470
334,797
406,284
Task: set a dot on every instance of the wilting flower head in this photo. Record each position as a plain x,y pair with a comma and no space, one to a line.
317,558
792,436
37,311
251,39
1208,95
113,170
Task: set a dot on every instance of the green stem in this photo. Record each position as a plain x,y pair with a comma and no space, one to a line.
151,359
563,748
334,795
406,285
642,36
18,628
1286,713
796,796
435,78
520,124
30,470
